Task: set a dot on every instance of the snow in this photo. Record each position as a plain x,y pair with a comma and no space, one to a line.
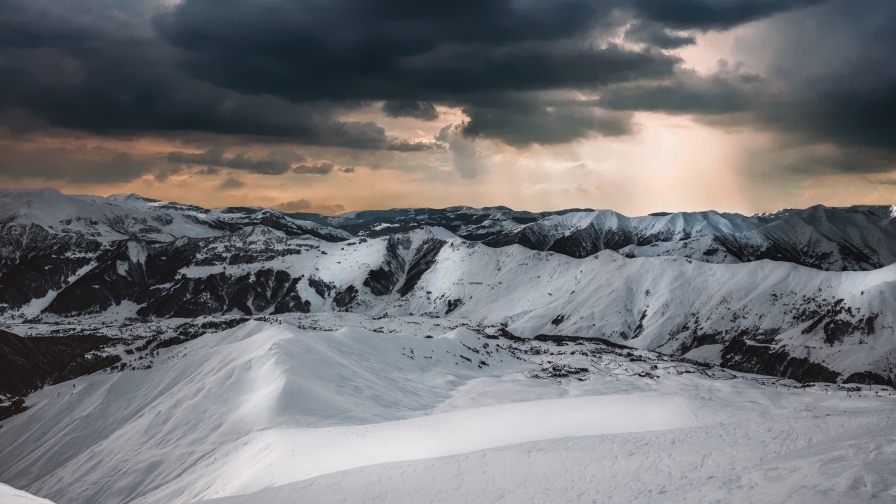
710,354
777,460
398,402
280,456
279,414
9,495
103,219
648,302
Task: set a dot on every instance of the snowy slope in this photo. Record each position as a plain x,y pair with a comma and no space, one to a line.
421,355
9,495
765,316
776,458
274,413
128,259
834,239
854,238
122,216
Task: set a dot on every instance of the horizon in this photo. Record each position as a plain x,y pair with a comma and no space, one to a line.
660,213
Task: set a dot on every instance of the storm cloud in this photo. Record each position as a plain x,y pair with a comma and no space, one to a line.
523,72
280,68
215,157
832,80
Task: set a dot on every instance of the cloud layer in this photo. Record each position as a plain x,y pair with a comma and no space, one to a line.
209,73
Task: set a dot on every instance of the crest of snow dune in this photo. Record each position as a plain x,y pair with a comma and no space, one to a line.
10,495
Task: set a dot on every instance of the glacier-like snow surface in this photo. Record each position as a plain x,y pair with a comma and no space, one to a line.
277,414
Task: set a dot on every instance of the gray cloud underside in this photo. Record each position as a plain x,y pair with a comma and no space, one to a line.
66,164
287,69
215,158
848,99
424,111
276,68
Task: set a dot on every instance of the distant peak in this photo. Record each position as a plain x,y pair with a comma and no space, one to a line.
131,197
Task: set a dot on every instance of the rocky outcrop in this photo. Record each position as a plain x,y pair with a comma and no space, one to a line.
27,364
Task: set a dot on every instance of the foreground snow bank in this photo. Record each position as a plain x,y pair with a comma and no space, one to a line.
842,458
409,412
279,456
9,495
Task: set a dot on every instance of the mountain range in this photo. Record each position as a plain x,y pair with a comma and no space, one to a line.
806,294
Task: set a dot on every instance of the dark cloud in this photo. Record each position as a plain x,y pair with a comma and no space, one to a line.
162,173
215,157
85,77
413,146
77,166
657,35
522,121
350,169
413,55
318,169
728,90
231,183
294,206
714,14
209,170
831,81
424,111
289,70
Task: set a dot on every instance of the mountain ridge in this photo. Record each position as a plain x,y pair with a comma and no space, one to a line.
770,299
860,237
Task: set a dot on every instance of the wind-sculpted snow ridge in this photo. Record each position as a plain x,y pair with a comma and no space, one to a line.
9,495
416,409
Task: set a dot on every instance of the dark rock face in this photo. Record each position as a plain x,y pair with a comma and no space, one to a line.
126,271
221,293
453,304
321,287
291,301
425,257
27,364
740,355
837,322
345,298
400,262
870,378
15,407
591,240
383,280
34,262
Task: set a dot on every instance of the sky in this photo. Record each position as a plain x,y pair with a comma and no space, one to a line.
337,105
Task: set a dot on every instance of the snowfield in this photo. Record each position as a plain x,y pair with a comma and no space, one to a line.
417,411
9,495
280,456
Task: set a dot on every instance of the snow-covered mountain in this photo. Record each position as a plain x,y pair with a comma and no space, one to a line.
153,352
699,285
834,239
416,409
